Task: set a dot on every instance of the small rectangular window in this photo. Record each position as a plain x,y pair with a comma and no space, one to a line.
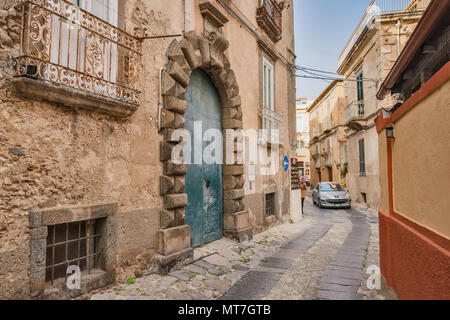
72,244
270,204
360,85
268,85
360,92
344,153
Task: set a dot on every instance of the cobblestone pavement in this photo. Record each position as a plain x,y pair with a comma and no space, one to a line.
287,262
373,259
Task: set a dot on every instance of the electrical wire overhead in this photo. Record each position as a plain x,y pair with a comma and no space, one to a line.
321,74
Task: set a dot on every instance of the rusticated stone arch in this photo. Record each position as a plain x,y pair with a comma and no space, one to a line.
184,56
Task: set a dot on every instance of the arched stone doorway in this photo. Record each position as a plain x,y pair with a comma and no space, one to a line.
184,57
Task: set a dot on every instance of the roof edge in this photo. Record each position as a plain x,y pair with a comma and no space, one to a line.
435,10
323,94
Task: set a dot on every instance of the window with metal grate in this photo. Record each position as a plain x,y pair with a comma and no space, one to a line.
270,204
69,244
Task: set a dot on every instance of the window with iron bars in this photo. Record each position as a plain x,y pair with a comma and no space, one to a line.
69,244
270,204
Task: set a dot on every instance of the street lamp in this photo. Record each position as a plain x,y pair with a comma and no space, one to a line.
390,132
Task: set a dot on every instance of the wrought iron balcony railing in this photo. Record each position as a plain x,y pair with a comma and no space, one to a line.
66,45
272,124
354,112
269,18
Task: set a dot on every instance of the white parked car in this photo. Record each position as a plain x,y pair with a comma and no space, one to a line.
331,195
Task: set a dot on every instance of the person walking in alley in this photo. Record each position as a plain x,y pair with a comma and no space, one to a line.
303,190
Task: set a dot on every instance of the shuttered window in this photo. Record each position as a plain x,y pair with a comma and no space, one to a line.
103,9
362,158
360,92
268,85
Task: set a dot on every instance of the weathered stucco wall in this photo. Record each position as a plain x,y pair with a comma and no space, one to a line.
422,136
369,183
414,227
56,156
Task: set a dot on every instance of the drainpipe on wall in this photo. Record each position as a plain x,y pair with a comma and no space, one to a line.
184,16
160,102
188,9
398,25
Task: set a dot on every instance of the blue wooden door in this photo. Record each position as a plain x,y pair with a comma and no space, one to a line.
204,213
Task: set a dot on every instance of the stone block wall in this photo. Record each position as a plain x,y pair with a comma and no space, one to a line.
54,155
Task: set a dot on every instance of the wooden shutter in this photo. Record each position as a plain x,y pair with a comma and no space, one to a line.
362,158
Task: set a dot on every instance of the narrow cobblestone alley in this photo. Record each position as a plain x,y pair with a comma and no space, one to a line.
323,257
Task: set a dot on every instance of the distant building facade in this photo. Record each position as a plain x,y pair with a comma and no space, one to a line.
365,62
303,154
327,145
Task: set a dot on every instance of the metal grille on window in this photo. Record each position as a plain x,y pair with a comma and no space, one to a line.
71,244
270,204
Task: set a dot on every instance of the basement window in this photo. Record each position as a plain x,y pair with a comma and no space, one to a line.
68,244
270,204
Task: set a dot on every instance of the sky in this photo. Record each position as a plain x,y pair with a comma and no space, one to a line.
322,28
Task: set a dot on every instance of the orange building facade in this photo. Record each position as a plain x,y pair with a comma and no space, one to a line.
413,132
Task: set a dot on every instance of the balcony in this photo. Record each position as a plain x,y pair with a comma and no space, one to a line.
272,124
269,18
70,56
354,115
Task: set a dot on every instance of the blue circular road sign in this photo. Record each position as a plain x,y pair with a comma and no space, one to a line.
286,163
